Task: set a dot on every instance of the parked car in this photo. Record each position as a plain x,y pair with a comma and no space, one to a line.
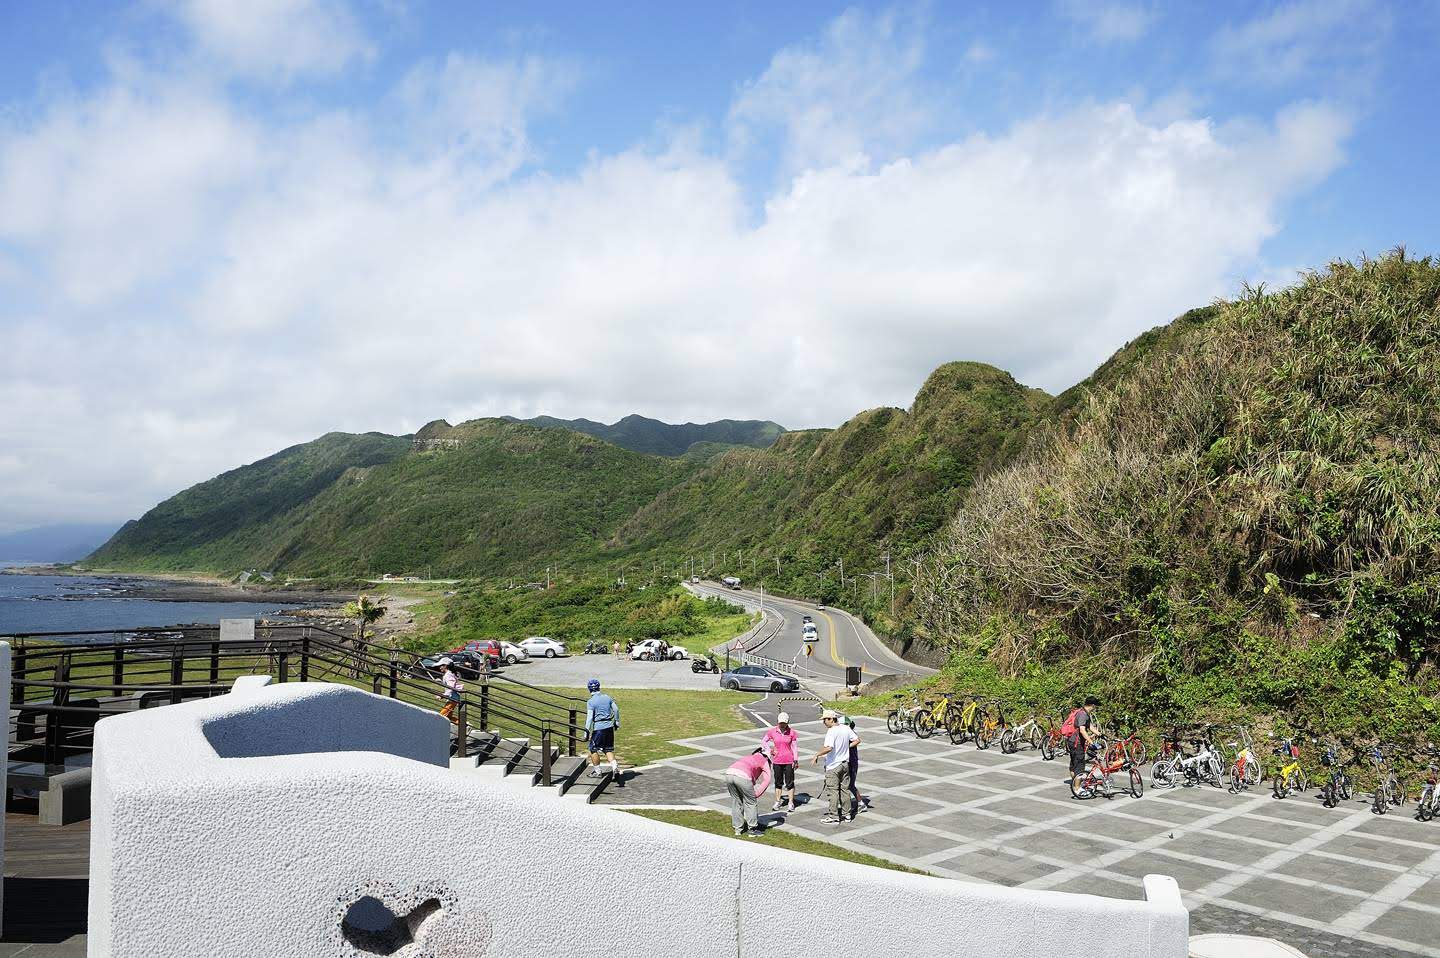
488,647
758,678
806,618
695,579
650,649
465,663
543,645
513,653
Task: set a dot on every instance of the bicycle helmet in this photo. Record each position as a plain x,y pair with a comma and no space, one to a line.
593,685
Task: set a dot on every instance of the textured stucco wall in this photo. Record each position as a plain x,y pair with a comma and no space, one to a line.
262,854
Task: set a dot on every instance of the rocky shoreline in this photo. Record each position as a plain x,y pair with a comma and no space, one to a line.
131,585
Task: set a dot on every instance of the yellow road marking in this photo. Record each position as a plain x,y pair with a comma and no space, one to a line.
834,652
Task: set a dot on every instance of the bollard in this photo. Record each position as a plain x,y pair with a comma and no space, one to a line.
462,733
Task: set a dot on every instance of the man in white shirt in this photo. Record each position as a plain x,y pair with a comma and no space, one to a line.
836,753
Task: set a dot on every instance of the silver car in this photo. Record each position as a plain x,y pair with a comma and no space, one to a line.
758,678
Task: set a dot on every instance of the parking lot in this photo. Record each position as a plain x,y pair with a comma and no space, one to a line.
576,670
1332,882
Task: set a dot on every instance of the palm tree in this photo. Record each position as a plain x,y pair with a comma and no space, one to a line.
364,611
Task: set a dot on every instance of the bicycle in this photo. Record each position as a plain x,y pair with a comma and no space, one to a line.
1429,802
1244,771
1052,744
970,724
1290,777
902,717
1096,778
1389,789
1126,744
931,716
1338,786
1028,732
1203,767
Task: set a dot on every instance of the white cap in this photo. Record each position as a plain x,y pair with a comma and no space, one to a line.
444,660
830,714
783,718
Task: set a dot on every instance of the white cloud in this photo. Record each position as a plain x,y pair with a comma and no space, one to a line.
1335,38
979,53
848,97
276,40
276,281
1109,22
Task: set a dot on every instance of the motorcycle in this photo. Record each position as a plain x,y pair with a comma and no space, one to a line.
704,663
596,648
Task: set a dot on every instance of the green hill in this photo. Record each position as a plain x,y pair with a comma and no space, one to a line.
880,484
220,524
663,439
482,498
1243,517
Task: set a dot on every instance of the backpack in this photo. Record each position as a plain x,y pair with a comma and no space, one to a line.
1069,729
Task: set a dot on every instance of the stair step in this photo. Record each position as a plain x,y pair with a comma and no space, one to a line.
565,772
587,789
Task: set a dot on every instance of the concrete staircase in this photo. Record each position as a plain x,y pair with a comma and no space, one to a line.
516,763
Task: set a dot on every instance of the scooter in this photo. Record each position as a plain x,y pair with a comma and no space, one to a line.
596,648
704,663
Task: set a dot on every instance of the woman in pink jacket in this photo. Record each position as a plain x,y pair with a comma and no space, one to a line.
747,780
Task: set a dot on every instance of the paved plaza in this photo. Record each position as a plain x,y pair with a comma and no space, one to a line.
1340,882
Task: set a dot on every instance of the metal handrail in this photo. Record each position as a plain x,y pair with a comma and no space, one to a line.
50,680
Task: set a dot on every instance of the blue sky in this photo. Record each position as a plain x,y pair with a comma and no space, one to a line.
226,228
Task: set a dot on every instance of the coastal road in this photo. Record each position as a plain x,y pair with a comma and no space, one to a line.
842,639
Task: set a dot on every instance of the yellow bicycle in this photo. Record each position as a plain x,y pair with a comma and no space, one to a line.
1291,777
976,722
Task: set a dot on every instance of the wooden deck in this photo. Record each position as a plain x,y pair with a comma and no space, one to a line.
46,882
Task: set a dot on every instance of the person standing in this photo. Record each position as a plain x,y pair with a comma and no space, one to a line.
453,687
615,648
782,740
746,780
836,754
1079,732
856,802
602,718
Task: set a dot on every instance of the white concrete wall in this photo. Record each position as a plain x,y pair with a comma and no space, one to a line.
5,773
262,853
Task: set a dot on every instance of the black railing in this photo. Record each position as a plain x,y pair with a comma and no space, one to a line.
60,689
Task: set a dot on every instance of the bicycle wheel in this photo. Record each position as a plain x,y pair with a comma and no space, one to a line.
1281,786
1425,808
1236,778
924,725
1327,794
1007,741
1047,749
1378,805
1344,787
894,724
984,732
1036,737
1137,782
1162,774
1138,752
1397,791
1302,781
1252,773
1215,772
958,734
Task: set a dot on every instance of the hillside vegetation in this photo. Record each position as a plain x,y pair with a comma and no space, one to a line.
226,523
640,434
1244,520
882,483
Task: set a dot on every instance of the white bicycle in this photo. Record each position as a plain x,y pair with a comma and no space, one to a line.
1204,767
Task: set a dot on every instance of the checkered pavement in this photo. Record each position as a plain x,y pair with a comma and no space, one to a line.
1330,875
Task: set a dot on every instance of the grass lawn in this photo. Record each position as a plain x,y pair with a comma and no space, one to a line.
717,823
720,628
651,719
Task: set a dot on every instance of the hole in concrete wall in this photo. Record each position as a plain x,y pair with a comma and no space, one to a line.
372,928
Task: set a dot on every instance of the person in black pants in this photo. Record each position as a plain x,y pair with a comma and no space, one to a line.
857,803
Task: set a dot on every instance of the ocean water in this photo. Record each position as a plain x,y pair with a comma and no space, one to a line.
63,603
